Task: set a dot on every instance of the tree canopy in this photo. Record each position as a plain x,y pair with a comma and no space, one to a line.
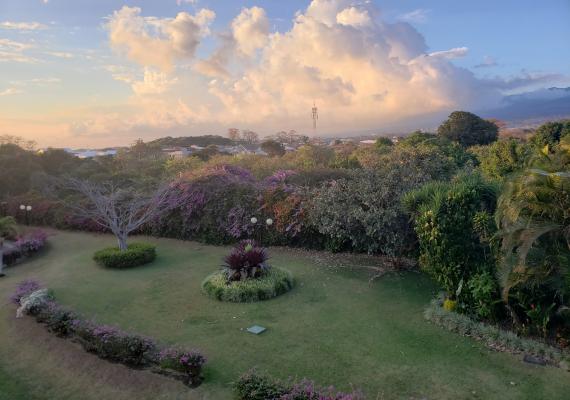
468,129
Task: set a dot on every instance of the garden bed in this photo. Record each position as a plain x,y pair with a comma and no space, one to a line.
273,283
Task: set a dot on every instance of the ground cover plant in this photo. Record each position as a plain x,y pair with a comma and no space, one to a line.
309,330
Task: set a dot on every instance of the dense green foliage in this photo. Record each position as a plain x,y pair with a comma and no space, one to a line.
534,217
452,224
135,255
550,133
273,148
502,158
468,129
272,283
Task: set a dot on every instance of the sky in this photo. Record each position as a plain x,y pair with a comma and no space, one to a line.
78,73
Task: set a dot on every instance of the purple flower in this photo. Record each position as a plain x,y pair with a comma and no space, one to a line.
24,289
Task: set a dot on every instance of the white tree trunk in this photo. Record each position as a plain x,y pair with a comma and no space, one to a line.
1,261
122,240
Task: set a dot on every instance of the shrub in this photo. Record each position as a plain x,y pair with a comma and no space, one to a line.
135,255
272,284
254,386
111,343
502,158
246,261
187,362
445,214
24,288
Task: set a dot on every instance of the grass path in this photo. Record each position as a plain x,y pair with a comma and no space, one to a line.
334,327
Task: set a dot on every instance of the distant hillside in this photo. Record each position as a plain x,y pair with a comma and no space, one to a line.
540,105
186,141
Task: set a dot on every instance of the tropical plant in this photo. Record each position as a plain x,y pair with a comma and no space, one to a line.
246,260
534,217
453,237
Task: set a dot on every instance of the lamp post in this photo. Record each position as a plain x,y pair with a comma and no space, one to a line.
26,210
268,223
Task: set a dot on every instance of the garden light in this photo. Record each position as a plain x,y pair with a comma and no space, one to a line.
253,220
269,222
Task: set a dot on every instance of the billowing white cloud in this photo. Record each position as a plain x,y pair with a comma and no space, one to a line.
22,26
250,30
158,42
363,73
153,82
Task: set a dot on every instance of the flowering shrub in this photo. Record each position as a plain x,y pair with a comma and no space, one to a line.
107,342
246,260
253,386
25,288
25,246
189,362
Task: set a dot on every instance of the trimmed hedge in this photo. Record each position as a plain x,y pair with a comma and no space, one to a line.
492,336
254,386
273,283
108,342
135,255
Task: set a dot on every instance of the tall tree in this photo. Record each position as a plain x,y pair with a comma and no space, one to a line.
273,148
468,129
233,134
120,210
249,136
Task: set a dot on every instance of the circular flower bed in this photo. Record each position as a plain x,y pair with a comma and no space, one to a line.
135,255
272,283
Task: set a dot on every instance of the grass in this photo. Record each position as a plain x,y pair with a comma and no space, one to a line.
333,327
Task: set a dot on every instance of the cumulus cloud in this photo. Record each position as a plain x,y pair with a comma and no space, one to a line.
250,30
363,72
158,42
22,26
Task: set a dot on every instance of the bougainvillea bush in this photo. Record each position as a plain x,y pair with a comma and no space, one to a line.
25,246
108,342
255,386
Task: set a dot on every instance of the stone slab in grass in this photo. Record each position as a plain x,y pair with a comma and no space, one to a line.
256,329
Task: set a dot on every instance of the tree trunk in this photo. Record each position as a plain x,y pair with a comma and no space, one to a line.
1,261
122,240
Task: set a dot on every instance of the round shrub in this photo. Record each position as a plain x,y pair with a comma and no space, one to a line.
273,283
135,255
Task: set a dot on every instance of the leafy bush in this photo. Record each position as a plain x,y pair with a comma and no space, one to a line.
502,158
468,129
254,386
188,362
111,343
363,213
447,218
135,255
550,133
23,289
246,261
273,283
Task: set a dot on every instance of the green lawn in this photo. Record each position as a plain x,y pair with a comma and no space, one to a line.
334,327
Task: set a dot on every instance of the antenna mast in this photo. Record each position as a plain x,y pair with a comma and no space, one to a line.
315,116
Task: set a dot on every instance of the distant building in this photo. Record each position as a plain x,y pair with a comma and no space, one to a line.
368,142
177,152
87,153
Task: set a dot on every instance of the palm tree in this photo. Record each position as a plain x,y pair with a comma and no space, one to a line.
8,229
534,217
